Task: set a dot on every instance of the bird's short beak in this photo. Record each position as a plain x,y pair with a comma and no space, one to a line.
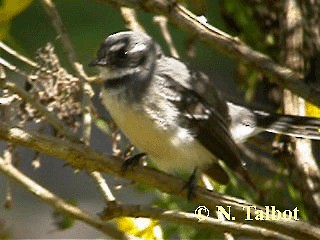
98,62
93,63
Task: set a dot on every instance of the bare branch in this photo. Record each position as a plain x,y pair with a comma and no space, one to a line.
52,12
17,55
179,217
8,159
104,188
83,157
163,23
130,19
11,67
56,202
2,72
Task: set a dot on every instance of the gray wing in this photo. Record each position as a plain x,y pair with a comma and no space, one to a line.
209,122
203,112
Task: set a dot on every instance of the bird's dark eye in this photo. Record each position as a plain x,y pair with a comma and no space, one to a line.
118,51
121,53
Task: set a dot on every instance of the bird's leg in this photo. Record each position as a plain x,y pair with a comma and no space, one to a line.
132,161
191,184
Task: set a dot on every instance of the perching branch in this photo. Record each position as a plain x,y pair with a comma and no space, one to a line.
83,157
58,203
225,43
114,211
179,217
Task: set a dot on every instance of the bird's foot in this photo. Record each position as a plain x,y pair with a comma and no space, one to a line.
132,161
191,184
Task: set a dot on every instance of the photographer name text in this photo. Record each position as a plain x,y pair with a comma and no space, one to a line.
251,213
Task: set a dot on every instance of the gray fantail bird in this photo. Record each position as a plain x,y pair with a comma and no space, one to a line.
175,115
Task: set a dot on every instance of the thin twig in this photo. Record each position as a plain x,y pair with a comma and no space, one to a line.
9,196
12,67
87,129
83,157
56,202
52,12
87,91
103,186
2,73
52,119
8,151
130,19
8,159
163,23
8,65
17,55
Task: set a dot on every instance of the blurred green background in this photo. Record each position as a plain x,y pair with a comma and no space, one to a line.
89,22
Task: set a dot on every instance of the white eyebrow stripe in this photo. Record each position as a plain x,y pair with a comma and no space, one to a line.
138,48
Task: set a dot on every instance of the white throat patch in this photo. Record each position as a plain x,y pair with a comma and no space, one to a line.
109,74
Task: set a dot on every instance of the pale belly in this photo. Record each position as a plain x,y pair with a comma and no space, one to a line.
171,148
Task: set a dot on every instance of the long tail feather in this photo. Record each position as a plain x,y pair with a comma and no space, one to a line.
296,126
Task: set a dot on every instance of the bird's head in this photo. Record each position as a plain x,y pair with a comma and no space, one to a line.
126,54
